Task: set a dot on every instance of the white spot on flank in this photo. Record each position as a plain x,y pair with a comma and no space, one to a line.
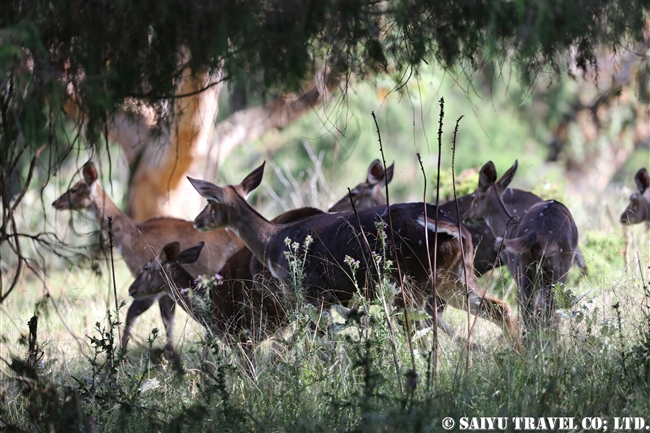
269,265
541,214
431,226
420,242
515,210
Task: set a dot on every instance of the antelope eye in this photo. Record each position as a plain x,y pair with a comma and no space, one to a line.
73,190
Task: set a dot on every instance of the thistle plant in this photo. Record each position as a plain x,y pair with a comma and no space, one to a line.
383,264
354,267
297,262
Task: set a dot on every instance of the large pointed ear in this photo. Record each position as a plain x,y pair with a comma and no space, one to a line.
508,176
169,253
207,189
191,254
253,180
375,173
487,176
389,173
642,180
89,173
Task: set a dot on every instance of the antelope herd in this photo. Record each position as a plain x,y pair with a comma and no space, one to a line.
433,250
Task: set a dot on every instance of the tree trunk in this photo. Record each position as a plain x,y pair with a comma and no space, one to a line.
160,163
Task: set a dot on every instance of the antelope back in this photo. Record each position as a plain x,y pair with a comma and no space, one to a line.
369,193
638,210
327,276
547,229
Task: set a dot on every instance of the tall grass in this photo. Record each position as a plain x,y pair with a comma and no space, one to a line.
342,380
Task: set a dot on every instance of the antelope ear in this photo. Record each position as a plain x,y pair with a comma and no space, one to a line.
191,254
89,173
508,176
487,176
169,253
375,173
253,180
207,189
642,180
389,173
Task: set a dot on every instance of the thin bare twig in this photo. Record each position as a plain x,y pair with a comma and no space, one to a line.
462,250
30,173
110,247
435,235
392,238
20,261
376,265
432,276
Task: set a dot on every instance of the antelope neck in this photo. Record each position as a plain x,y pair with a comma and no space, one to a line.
503,205
255,230
498,222
102,207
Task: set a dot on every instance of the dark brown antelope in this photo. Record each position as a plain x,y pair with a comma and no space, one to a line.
245,268
335,238
638,210
517,203
140,242
225,308
544,242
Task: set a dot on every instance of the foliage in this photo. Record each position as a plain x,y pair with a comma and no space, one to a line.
118,50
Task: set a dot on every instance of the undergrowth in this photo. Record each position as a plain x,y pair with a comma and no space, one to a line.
349,372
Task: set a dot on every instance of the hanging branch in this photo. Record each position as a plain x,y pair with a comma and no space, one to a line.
9,215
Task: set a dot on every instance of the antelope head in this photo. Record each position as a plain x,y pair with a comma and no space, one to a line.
166,270
80,196
369,193
487,201
223,203
639,208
